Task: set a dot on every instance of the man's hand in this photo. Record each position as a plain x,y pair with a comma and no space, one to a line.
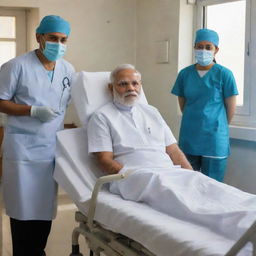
107,163
43,113
178,157
10,108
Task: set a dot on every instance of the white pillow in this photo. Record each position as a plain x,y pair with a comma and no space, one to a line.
90,91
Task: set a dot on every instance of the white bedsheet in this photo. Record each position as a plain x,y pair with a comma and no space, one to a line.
160,233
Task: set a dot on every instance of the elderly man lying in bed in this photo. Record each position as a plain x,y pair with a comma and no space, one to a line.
125,135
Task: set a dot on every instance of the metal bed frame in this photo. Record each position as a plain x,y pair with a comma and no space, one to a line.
100,239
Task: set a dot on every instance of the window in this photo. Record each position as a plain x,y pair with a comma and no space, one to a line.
12,37
234,20
12,34
232,34
7,38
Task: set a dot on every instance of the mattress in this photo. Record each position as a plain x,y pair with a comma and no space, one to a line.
161,234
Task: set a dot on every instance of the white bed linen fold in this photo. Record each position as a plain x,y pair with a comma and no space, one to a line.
191,196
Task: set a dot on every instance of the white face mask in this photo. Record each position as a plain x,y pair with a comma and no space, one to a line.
124,100
204,57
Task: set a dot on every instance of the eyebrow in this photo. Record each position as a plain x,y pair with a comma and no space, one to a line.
127,81
57,37
204,45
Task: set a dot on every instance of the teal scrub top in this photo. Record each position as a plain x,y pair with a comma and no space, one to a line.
204,127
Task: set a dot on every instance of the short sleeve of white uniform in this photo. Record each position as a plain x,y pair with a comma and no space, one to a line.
169,137
9,77
98,132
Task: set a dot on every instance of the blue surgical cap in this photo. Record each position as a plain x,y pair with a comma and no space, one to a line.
209,35
52,24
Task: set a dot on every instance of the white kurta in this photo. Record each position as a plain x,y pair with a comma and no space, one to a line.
29,145
139,144
135,136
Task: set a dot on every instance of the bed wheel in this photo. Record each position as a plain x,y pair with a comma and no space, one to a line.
75,251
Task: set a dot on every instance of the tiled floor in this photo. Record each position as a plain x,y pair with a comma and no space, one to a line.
59,242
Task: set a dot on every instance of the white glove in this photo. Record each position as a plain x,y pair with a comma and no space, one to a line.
43,113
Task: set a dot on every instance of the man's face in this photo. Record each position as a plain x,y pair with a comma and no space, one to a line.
55,37
127,87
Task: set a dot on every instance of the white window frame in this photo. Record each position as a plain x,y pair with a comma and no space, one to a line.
20,37
20,28
244,122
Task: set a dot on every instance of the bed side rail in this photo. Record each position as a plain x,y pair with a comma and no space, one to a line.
248,236
95,192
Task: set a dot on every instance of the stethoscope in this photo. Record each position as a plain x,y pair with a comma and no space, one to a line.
65,84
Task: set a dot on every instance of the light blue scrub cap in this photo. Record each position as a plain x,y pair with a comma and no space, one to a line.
53,23
209,35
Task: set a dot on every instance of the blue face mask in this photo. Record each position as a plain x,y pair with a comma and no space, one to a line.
204,57
53,51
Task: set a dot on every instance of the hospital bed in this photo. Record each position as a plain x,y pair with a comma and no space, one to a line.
114,226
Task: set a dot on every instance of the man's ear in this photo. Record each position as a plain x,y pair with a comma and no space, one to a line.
38,38
110,87
216,50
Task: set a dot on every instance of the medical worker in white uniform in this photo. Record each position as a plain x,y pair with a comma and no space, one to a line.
34,93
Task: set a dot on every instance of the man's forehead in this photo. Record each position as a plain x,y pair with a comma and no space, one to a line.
127,73
204,43
56,35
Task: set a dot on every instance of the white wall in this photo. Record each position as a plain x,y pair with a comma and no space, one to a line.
107,33
157,21
102,32
241,171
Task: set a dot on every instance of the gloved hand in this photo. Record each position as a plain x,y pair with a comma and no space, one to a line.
43,113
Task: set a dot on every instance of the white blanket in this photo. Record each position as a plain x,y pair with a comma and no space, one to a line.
162,234
191,196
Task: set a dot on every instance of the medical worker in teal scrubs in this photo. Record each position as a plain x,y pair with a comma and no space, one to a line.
207,98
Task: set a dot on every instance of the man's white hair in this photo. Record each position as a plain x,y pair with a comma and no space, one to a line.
122,67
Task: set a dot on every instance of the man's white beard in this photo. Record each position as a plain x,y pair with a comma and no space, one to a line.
126,101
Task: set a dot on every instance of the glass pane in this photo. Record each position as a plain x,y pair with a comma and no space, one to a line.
7,27
231,31
7,51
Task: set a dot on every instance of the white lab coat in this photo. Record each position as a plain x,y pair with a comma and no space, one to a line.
29,145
